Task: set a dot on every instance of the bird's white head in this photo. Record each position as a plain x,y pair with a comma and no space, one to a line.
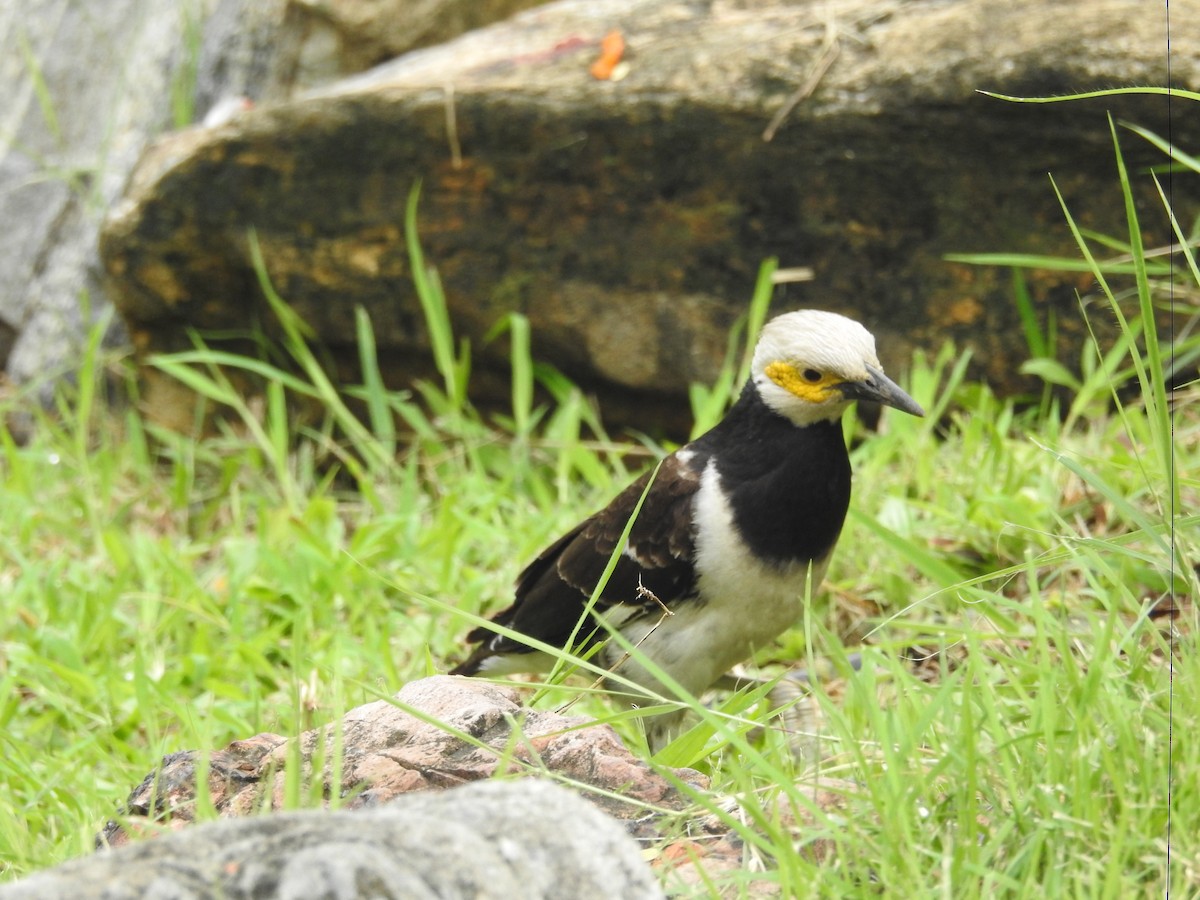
809,365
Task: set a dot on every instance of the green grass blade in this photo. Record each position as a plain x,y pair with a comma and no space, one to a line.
379,409
1106,92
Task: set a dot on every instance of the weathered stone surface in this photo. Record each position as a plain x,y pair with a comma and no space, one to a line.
388,749
368,32
627,219
268,50
527,838
84,91
67,143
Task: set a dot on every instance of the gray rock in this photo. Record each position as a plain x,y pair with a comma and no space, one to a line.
84,90
268,50
363,33
245,52
529,839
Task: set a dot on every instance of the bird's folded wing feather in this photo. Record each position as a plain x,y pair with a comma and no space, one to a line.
552,592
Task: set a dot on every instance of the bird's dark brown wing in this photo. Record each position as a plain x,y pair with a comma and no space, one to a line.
553,590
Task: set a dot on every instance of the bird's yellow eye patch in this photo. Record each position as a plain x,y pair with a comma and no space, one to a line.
807,384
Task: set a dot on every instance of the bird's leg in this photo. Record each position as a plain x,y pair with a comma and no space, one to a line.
798,713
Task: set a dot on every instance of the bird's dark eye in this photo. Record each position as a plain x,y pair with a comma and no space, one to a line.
812,375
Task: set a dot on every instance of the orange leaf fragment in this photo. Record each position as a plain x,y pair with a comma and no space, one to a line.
612,48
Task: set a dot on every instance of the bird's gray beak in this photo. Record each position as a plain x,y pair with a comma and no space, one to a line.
881,389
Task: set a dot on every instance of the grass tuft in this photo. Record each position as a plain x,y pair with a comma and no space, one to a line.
1017,581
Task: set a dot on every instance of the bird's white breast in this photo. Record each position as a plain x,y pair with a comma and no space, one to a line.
743,602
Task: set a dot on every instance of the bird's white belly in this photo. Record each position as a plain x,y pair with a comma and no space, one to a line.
743,603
